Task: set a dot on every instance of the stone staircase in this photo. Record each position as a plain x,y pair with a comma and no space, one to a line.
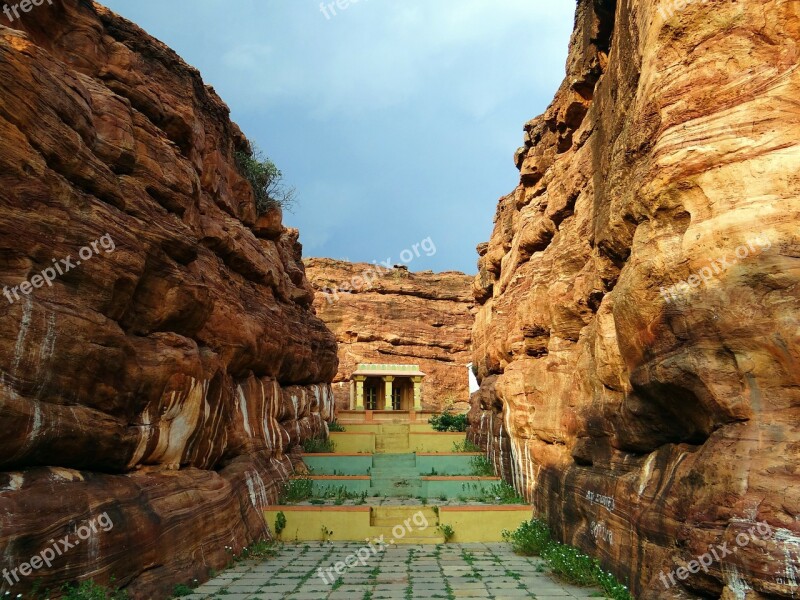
395,475
416,525
392,438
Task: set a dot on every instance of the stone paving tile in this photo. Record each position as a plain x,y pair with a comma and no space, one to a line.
307,572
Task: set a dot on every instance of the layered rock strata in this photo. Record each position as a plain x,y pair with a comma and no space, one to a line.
637,336
391,315
159,358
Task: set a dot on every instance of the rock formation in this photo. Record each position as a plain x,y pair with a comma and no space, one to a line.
382,315
165,372
637,336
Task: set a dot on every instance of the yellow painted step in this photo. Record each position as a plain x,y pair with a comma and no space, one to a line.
398,514
431,535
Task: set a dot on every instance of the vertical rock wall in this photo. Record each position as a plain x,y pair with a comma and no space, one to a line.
637,337
164,376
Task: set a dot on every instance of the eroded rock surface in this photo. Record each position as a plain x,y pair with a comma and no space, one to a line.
167,379
645,422
382,315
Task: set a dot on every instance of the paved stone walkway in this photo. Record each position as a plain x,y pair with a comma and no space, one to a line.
448,571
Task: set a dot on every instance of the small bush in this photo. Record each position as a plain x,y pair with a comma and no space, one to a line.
280,523
259,550
181,590
533,538
266,180
465,446
326,534
481,466
612,588
572,565
89,590
447,421
319,446
530,539
448,532
504,494
297,489
334,426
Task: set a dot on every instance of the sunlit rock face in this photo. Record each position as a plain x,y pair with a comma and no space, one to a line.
390,315
166,380
645,421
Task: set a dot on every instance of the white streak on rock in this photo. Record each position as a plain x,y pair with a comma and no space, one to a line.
19,347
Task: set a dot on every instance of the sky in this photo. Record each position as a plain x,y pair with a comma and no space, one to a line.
395,120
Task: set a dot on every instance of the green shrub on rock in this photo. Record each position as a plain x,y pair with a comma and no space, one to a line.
447,421
266,180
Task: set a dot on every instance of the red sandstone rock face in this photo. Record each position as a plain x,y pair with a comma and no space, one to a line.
645,429
395,316
167,382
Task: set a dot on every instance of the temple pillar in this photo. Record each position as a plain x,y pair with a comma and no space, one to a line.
417,393
388,379
359,379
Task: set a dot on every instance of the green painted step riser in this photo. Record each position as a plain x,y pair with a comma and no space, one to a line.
399,456
395,481
390,468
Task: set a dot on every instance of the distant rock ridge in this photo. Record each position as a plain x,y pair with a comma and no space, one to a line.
382,315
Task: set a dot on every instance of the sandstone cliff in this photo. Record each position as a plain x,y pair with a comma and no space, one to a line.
637,336
382,315
165,376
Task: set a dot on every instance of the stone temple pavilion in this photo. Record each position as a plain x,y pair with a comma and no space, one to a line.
386,388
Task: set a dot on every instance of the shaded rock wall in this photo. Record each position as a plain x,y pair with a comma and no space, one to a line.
395,316
168,377
646,421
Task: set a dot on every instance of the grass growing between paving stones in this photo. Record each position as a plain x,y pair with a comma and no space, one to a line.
258,551
440,571
533,538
